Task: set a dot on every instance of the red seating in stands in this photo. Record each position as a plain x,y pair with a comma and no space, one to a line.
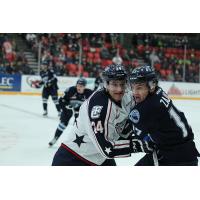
72,69
85,74
90,55
97,50
163,72
96,60
104,62
108,45
85,49
96,55
89,60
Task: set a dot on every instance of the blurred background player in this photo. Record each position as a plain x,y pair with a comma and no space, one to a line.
98,83
50,88
70,104
158,121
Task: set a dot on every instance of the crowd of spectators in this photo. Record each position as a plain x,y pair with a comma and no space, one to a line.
87,54
170,55
12,60
75,54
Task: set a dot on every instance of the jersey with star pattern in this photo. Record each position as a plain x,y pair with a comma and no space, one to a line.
97,135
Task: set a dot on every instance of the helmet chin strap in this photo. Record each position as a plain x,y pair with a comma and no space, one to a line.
105,84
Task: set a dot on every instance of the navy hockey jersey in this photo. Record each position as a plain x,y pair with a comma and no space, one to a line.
73,98
167,126
49,79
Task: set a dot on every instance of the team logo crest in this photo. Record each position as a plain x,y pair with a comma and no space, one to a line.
96,110
134,116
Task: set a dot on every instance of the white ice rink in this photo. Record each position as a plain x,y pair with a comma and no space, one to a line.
25,133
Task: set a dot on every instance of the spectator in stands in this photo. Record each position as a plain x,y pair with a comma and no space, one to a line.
132,54
178,74
2,69
9,68
46,57
117,60
167,55
31,39
154,58
147,52
105,53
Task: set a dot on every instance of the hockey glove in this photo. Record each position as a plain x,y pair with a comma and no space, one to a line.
142,146
77,106
127,130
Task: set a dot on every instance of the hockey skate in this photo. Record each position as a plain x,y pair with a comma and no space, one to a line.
53,141
45,113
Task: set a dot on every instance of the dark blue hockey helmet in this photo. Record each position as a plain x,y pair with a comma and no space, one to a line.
81,81
114,72
143,74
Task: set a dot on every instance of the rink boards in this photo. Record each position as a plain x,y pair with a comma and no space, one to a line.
17,84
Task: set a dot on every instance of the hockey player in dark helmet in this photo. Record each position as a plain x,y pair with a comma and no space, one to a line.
144,76
80,85
50,87
156,120
70,104
115,81
81,81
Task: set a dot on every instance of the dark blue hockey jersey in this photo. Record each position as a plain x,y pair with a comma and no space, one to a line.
167,127
49,79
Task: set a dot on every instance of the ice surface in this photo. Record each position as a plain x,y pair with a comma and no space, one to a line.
25,133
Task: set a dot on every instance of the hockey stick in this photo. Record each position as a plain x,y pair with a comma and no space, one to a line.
155,159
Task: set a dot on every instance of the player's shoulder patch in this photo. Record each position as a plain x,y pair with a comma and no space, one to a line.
96,111
98,104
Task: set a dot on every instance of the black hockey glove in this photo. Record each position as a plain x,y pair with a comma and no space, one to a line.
77,107
127,130
140,146
145,145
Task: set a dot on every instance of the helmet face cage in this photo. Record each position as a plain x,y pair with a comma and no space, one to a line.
81,81
114,72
